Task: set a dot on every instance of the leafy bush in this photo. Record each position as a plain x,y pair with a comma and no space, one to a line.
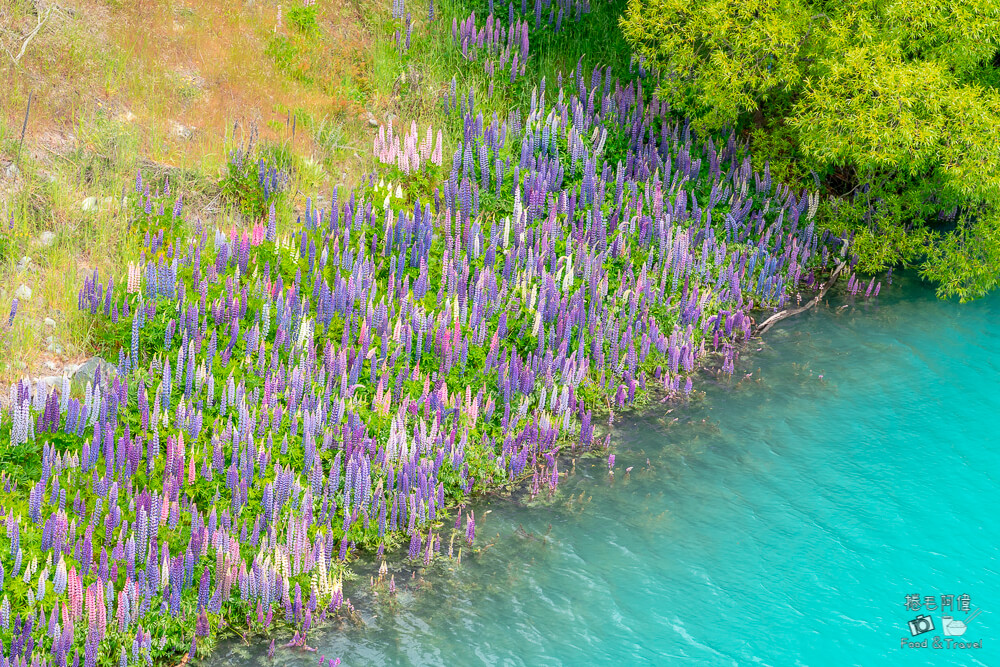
256,178
303,19
897,100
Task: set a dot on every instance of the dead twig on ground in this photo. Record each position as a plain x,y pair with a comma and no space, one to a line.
42,18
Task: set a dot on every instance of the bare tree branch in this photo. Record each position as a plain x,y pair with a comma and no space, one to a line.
42,18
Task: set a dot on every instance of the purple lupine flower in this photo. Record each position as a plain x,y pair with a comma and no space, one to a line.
470,527
202,628
414,545
203,588
35,502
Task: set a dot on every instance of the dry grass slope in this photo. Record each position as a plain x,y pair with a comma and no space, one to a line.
167,87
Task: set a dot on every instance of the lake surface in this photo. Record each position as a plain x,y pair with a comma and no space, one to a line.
782,519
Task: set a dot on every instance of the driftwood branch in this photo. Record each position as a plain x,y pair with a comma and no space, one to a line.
782,314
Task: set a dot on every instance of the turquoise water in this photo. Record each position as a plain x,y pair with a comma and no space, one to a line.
782,520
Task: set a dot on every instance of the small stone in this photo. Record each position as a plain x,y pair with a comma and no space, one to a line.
51,380
90,204
23,293
53,346
371,119
47,238
49,322
86,373
24,263
11,171
181,131
52,366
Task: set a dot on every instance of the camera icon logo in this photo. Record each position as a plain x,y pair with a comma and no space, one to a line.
921,624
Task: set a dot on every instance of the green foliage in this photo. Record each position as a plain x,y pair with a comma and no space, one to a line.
774,147
285,55
22,461
882,242
720,58
891,105
8,246
965,263
303,19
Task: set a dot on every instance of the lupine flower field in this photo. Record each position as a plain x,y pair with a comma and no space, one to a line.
291,393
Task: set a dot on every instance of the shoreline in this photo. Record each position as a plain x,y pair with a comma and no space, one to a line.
333,385
379,586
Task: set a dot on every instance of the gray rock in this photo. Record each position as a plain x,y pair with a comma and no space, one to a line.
90,204
86,373
25,263
11,171
23,293
51,380
51,365
49,322
181,131
47,238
